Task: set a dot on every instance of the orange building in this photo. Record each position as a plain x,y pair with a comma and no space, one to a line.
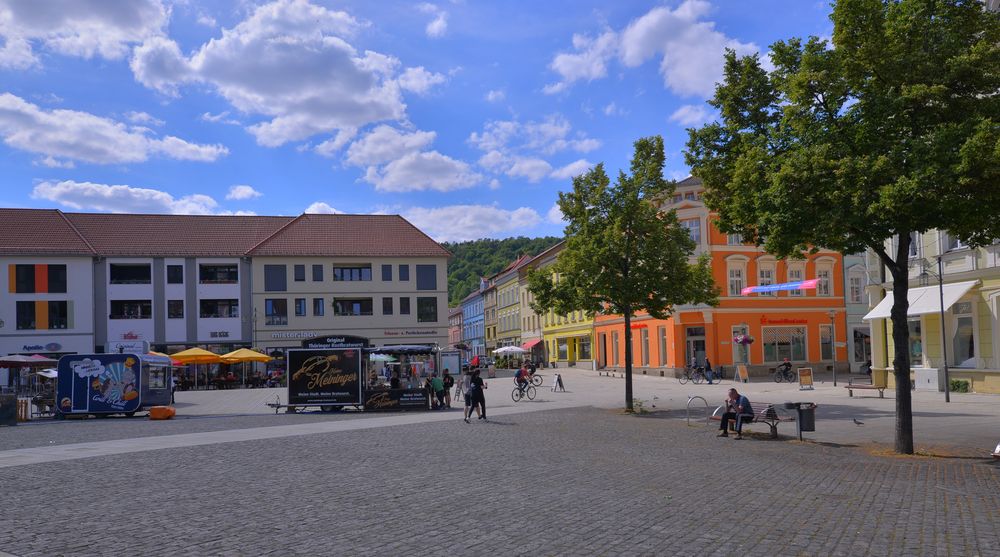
789,324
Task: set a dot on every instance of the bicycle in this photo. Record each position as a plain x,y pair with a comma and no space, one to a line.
536,379
695,374
520,392
784,373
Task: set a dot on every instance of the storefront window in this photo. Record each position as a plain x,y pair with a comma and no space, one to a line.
563,349
916,346
825,343
614,348
644,343
661,333
584,349
784,342
963,340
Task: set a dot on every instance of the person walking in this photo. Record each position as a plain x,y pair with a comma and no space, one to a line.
467,394
449,382
437,385
477,394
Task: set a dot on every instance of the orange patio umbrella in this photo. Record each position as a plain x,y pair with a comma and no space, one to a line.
196,356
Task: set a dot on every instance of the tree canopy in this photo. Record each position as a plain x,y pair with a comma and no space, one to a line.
892,129
623,254
483,258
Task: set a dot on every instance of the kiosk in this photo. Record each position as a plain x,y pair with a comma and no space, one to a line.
105,384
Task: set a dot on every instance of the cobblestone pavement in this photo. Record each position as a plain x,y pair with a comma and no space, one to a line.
571,482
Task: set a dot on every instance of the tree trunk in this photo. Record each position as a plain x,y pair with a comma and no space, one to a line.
901,343
628,359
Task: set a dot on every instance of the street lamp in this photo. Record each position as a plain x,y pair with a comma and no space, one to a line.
924,273
833,342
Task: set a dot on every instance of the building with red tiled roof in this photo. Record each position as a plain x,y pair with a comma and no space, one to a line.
80,282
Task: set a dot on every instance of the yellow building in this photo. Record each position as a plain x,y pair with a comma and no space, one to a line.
568,339
508,304
971,292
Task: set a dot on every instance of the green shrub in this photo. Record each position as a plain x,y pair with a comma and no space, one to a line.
959,386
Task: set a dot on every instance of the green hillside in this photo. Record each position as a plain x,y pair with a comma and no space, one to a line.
485,257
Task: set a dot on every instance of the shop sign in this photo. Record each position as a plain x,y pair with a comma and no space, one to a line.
337,341
297,334
639,326
131,335
50,347
411,333
396,399
131,346
324,377
783,321
218,334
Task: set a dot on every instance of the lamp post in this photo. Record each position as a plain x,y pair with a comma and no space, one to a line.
833,342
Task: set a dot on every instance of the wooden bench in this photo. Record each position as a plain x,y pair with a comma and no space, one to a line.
764,413
851,387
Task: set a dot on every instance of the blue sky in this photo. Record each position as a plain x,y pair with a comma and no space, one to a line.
466,117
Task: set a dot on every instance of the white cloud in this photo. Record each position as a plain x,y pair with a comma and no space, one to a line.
143,118
613,109
220,117
589,62
321,208
494,184
532,169
437,26
384,144
458,223
419,80
206,20
422,171
690,48
291,62
495,95
555,215
572,169
548,136
84,28
81,136
331,146
122,199
242,192
690,115
494,161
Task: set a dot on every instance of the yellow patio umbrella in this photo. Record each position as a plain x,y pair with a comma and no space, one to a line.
196,356
245,355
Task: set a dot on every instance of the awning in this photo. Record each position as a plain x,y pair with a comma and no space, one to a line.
923,300
531,344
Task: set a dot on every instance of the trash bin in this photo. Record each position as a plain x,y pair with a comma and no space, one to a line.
8,409
807,416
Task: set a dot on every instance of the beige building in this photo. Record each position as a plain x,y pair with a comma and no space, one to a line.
531,323
508,303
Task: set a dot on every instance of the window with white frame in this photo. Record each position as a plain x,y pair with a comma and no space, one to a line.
951,242
855,279
824,272
765,275
734,239
795,273
914,250
693,227
825,342
964,337
784,342
736,273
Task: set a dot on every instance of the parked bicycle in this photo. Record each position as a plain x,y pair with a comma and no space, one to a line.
520,392
784,373
693,373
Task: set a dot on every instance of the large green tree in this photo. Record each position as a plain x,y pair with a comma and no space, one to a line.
623,254
892,129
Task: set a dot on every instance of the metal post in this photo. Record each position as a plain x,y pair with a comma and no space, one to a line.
944,337
833,343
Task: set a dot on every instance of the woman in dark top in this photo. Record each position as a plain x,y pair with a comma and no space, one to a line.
478,396
448,384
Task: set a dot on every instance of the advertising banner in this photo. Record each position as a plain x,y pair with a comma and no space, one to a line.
99,384
329,377
805,379
396,399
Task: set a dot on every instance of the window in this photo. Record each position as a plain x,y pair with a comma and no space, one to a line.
175,274
300,273
317,273
352,306
734,239
963,339
856,288
175,309
130,273
131,309
678,198
275,278
24,281
57,278
693,227
300,305
215,309
735,281
823,287
318,307
386,273
227,273
427,310
276,311
404,306
404,272
765,276
795,275
689,196
644,344
661,335
951,242
784,342
386,306
614,348
427,280
562,348
914,245
825,343
352,273
584,349
25,315
916,343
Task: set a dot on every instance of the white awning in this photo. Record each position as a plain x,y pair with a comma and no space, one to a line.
923,300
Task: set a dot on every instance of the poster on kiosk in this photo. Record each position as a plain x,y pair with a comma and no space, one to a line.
324,377
99,384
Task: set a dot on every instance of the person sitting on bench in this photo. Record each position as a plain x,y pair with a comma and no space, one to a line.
737,408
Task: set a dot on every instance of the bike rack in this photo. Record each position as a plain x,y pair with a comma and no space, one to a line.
687,411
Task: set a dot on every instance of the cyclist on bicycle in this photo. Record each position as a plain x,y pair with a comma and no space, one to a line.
523,378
